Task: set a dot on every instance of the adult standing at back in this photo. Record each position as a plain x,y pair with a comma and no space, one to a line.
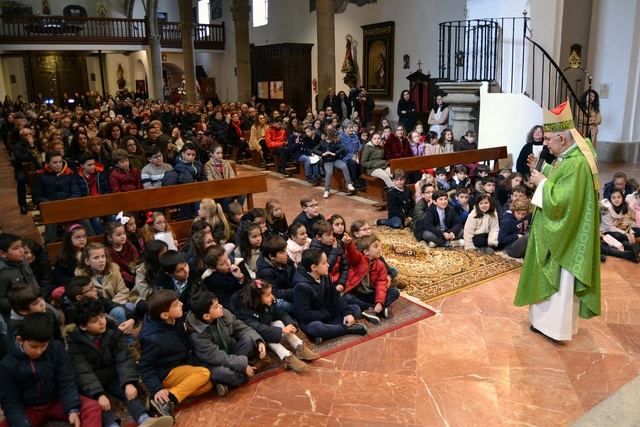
439,116
560,279
407,111
590,102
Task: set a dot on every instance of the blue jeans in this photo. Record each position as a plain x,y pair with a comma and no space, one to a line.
285,306
366,301
309,169
135,407
393,222
335,328
328,170
120,315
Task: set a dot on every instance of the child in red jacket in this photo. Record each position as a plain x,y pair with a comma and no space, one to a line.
123,176
367,282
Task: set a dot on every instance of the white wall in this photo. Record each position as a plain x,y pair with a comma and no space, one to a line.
416,34
478,9
93,66
14,65
114,8
614,51
3,88
495,130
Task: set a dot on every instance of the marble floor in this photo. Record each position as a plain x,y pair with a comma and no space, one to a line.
475,362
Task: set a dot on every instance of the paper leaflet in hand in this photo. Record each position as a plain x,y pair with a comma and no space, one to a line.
167,237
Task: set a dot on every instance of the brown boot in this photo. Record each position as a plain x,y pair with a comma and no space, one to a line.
295,364
305,353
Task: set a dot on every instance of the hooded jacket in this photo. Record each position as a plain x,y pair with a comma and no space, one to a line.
188,172
55,186
360,266
12,273
260,320
281,278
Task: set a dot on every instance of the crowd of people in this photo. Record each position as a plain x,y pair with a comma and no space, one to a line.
141,313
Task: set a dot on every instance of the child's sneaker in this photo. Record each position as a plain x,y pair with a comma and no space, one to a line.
162,409
371,318
385,313
305,353
221,389
432,244
357,329
295,364
325,195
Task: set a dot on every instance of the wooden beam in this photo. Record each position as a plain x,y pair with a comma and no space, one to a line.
443,160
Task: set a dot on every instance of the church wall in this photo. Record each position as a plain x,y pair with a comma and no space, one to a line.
111,66
3,86
93,66
614,66
14,65
416,34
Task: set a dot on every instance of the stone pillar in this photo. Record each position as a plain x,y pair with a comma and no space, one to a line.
463,100
189,60
240,11
326,47
155,54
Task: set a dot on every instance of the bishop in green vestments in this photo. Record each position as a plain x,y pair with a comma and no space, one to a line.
560,279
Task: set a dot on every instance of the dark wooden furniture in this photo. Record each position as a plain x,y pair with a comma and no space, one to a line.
289,63
63,211
457,158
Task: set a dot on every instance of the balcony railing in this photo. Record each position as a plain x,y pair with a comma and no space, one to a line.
89,30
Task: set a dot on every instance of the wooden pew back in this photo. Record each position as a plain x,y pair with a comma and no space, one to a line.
457,158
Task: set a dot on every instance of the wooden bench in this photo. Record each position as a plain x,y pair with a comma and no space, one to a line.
180,228
63,211
458,158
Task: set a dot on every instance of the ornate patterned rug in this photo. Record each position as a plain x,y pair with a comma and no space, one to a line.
432,273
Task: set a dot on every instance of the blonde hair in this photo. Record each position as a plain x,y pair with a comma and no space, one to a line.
86,253
521,204
215,216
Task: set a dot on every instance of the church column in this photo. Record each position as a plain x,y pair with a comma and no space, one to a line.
155,60
188,56
240,11
326,47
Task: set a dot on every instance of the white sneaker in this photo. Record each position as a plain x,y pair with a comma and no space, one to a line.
325,195
432,244
457,243
351,188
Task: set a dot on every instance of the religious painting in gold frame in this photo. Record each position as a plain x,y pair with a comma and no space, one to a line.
378,59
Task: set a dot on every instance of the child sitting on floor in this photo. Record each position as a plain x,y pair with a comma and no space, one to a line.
275,267
320,311
222,342
221,276
338,266
167,363
482,228
400,203
367,282
298,241
255,306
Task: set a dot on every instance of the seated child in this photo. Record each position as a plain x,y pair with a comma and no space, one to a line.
441,179
96,264
249,249
460,179
275,267
514,228
367,282
426,199
167,363
481,171
461,203
400,203
320,311
121,251
174,275
14,269
38,384
326,242
221,276
298,241
221,342
360,228
310,213
276,219
440,225
81,288
148,270
482,228
234,214
38,259
426,179
488,185
255,306
152,175
103,364
123,177
189,169
25,299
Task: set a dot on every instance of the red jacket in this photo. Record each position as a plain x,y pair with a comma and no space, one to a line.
395,148
122,181
275,138
359,265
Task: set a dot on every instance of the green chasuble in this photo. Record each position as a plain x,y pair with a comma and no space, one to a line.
565,233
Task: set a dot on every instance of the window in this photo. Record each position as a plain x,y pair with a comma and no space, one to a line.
203,12
260,10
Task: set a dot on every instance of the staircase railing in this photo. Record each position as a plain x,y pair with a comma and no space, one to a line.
502,52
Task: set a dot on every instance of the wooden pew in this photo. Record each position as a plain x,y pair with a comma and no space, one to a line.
457,158
63,211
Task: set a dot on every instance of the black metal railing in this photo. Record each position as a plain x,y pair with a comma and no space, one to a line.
502,52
